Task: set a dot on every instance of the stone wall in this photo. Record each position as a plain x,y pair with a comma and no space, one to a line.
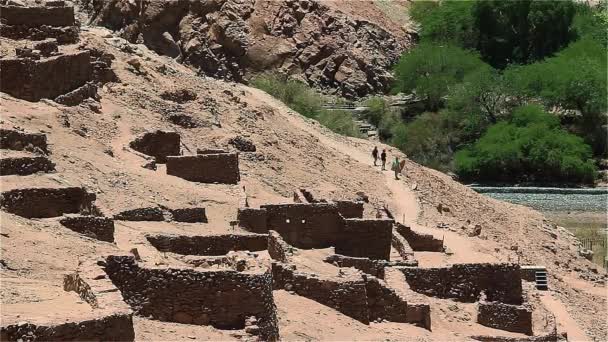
114,321
158,144
16,140
365,265
366,238
223,299
465,282
278,249
552,337
37,16
364,298
206,168
509,317
347,296
209,244
47,202
306,226
100,228
191,215
419,242
350,209
253,220
33,80
401,245
24,166
141,214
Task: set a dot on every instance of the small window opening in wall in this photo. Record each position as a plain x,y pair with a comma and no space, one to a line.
287,221
303,221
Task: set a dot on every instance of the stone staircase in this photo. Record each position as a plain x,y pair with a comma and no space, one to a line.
541,280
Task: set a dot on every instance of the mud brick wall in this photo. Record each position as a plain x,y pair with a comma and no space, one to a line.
223,299
365,265
37,16
253,220
347,296
24,166
419,242
366,238
47,202
210,244
15,140
350,209
465,282
158,144
278,249
191,215
306,226
141,214
515,318
33,80
100,228
206,168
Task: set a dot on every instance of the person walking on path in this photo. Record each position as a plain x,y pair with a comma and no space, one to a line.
396,167
375,154
383,159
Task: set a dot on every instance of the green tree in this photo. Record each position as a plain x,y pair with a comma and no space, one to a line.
446,21
522,31
339,121
431,69
529,147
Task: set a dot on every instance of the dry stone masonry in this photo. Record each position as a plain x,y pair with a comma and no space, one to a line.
209,244
158,144
54,20
206,168
47,202
100,228
222,299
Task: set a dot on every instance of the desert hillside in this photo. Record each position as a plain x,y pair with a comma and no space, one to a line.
63,280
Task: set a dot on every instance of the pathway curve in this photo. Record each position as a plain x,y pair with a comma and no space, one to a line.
565,322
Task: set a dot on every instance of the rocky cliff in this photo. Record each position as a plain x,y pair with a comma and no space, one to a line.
340,52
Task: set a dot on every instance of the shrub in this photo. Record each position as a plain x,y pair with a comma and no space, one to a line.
339,121
295,94
530,147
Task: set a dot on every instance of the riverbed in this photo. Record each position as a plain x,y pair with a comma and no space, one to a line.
582,211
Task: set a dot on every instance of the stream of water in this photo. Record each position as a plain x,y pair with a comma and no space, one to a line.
582,211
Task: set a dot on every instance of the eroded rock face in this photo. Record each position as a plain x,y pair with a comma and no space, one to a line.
234,38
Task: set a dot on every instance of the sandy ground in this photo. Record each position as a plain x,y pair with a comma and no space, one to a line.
88,144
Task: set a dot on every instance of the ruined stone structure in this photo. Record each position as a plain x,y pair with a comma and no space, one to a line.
112,319
158,144
25,165
39,22
190,215
206,168
223,299
47,202
16,140
100,228
33,80
419,242
209,244
321,225
363,297
509,317
466,282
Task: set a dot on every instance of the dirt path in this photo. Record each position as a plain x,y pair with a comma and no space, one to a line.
565,321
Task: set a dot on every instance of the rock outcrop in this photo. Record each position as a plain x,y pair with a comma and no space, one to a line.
233,39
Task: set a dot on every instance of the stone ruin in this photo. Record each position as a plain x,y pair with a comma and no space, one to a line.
189,215
207,166
53,20
23,153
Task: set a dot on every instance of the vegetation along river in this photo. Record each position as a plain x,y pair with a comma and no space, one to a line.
582,211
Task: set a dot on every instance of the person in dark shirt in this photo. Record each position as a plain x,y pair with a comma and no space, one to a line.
375,154
383,158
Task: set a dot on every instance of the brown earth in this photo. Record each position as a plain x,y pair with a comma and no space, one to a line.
89,144
345,47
